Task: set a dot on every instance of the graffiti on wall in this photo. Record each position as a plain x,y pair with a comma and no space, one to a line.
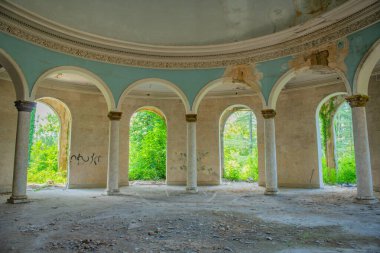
80,159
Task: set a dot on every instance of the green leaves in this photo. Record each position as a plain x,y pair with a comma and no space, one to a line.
43,162
147,159
240,147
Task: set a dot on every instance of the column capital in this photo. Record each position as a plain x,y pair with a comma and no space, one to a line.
25,106
112,115
191,117
268,113
357,100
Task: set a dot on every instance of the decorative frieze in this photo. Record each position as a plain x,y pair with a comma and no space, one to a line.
191,118
268,113
114,115
25,106
357,100
25,29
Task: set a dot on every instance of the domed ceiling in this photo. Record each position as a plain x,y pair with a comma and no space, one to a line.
179,22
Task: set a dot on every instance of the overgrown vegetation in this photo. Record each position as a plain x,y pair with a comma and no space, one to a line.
240,147
147,159
345,171
43,161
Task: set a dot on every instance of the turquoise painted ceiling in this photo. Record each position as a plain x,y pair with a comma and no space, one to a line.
179,22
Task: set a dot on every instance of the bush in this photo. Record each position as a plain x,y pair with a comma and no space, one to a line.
147,160
347,170
46,175
346,173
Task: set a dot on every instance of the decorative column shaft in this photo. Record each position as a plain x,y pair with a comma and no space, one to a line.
191,185
113,154
20,169
362,155
270,152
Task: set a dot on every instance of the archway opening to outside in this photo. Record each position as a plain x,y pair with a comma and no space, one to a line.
239,152
147,145
49,143
337,145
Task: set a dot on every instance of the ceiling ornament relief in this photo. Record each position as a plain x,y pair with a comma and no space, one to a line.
331,55
18,26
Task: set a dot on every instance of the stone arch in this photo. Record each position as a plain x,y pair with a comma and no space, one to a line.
365,68
159,112
285,78
227,112
319,150
16,74
208,87
166,83
96,80
65,119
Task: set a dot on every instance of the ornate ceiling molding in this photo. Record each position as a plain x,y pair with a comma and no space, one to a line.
330,27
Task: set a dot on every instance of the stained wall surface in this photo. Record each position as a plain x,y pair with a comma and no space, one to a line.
8,124
296,135
89,136
373,124
174,112
208,135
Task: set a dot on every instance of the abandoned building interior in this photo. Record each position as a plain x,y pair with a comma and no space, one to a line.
96,64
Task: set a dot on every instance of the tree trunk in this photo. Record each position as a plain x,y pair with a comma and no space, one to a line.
330,147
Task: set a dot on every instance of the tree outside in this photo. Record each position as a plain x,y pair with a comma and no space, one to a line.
335,120
43,153
147,146
240,146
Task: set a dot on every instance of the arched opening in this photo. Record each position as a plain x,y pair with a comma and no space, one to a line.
147,145
238,144
337,159
165,102
49,143
210,104
89,102
296,97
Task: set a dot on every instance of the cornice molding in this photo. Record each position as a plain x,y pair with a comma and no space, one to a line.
330,27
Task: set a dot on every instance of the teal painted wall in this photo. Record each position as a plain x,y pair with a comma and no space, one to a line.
272,71
360,42
35,60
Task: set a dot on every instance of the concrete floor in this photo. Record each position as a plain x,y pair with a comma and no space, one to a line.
233,217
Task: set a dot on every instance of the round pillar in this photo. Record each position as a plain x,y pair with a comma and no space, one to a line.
20,169
191,185
113,154
362,154
270,152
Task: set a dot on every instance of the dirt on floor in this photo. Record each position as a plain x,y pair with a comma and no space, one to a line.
232,217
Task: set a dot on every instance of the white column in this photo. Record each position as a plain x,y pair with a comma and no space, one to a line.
270,152
191,185
362,155
20,169
113,154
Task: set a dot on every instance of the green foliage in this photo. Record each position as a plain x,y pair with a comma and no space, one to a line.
329,174
346,171
43,163
31,131
345,174
240,148
147,160
344,145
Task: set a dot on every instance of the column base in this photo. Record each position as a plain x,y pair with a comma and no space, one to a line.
270,192
113,192
192,189
365,200
18,199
